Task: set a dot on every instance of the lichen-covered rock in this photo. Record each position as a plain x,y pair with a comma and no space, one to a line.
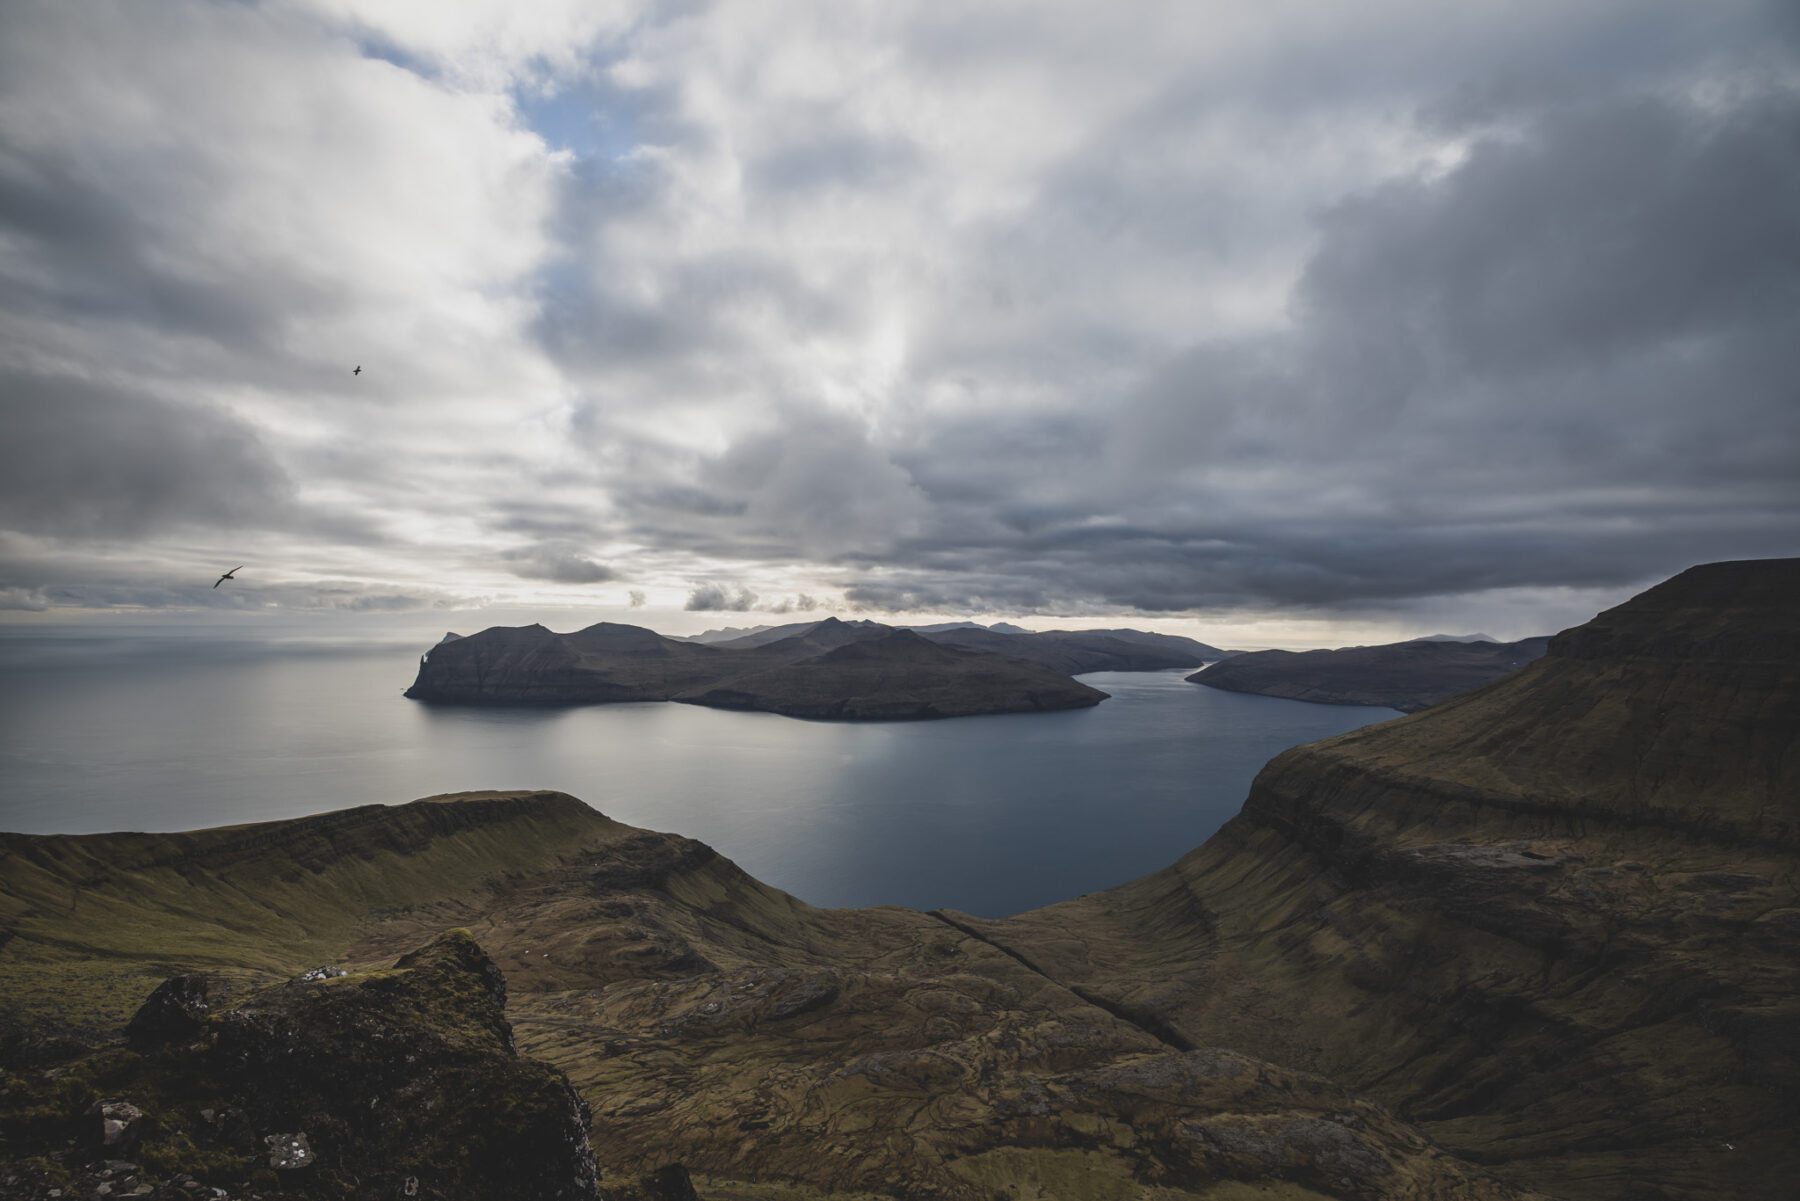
289,1152
113,1124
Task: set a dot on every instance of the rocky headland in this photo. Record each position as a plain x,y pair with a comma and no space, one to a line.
1408,676
1539,940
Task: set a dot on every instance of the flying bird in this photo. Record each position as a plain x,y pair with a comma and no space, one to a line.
228,575
358,370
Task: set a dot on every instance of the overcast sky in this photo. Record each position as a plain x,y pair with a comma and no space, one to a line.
1271,322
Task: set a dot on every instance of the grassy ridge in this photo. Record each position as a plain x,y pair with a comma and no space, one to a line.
90,923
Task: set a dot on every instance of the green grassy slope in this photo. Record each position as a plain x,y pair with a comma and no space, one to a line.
90,923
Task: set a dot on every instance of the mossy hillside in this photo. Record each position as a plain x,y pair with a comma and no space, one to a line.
92,922
714,1022
1556,921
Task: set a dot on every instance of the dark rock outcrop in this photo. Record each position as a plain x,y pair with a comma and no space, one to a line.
175,1013
396,1082
1408,676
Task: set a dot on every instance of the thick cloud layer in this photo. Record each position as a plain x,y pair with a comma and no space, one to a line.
1304,309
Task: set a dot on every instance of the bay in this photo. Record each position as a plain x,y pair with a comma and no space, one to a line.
990,815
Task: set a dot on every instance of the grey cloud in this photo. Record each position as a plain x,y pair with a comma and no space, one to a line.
542,519
1606,227
636,598
691,334
83,458
799,603
710,598
813,485
818,153
1563,363
90,253
560,563
27,600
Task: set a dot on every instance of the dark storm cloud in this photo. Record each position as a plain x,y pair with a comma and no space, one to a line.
1567,361
88,459
1603,230
93,249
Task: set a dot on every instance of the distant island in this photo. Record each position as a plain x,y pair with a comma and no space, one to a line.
1407,676
827,669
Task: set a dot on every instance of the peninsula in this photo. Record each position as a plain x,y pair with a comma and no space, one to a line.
1408,676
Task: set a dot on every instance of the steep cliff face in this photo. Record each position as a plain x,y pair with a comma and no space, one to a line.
533,665
1408,676
1556,921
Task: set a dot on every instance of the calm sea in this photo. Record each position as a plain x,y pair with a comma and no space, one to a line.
986,814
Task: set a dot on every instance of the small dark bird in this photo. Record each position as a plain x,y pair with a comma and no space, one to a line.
358,370
228,575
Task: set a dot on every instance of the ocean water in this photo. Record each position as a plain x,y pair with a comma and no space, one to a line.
986,814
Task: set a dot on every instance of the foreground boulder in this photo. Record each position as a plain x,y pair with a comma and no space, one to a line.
176,1012
396,1082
